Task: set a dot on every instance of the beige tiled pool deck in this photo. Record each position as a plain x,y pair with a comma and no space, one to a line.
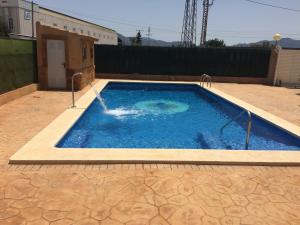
143,194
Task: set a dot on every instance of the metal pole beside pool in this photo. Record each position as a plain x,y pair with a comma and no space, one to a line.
249,128
73,95
249,125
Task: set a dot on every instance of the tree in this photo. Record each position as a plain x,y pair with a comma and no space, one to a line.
137,40
215,43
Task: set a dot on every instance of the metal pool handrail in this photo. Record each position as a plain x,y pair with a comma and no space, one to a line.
73,96
248,127
206,78
202,78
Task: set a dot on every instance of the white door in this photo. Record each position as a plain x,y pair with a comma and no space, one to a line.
56,64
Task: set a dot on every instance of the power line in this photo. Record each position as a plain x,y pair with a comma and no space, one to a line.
106,19
256,34
274,6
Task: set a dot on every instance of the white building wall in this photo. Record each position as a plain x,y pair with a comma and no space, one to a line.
21,13
104,35
288,68
9,11
25,17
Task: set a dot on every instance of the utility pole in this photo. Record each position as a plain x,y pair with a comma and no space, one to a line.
149,35
32,18
206,5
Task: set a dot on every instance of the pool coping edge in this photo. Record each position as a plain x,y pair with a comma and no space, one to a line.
41,150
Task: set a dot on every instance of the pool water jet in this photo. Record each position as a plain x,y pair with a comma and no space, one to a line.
113,112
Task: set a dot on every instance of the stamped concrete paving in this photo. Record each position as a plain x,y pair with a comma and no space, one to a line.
138,194
280,101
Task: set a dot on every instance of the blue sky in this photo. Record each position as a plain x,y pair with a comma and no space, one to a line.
235,21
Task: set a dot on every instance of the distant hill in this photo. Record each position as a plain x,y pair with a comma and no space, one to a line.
124,40
159,43
284,42
148,42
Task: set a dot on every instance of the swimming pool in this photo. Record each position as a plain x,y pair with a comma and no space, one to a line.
170,116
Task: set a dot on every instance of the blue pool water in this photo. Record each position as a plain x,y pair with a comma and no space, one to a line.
176,116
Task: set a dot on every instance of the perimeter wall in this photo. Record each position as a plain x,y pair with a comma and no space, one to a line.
288,68
17,64
233,62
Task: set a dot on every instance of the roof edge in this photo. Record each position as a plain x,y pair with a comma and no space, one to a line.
85,21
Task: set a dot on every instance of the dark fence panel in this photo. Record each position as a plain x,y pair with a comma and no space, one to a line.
229,61
17,64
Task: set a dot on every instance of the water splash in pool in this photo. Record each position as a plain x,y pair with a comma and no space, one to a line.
154,107
120,112
99,97
144,107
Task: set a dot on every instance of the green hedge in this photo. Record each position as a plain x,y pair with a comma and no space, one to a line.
17,64
228,61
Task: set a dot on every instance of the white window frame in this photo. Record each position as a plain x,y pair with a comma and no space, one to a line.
27,15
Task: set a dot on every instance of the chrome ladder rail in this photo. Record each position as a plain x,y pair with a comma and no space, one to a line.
208,80
202,77
205,78
248,127
73,95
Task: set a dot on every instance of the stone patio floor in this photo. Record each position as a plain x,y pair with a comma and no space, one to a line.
143,194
